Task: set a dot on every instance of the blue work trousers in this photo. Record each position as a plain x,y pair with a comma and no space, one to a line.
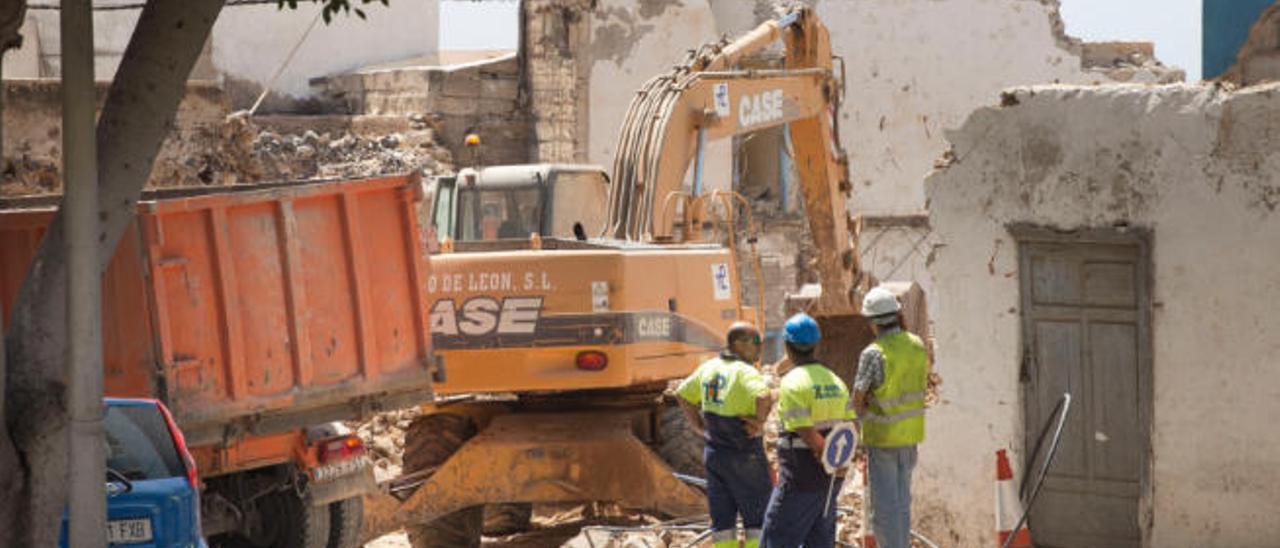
737,484
795,517
889,478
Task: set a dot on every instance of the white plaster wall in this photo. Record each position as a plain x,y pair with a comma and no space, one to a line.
250,41
24,62
1192,164
632,42
111,32
915,68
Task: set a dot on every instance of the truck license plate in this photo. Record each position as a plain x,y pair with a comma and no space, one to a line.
333,471
124,531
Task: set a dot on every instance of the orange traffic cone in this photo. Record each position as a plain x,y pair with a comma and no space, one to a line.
868,535
1008,506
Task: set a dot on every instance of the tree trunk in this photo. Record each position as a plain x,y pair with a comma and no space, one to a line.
138,113
11,16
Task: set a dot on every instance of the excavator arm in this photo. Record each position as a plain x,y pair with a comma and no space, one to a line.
707,98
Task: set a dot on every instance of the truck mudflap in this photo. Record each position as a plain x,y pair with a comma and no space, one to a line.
540,458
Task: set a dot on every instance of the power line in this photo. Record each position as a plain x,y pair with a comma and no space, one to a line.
140,5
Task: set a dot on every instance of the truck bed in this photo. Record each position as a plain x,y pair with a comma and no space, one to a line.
259,310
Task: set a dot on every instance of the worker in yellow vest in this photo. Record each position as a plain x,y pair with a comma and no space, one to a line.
888,393
728,400
811,401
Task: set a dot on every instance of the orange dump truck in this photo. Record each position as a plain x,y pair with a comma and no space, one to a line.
259,315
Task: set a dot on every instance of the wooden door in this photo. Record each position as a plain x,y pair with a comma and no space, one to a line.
1086,333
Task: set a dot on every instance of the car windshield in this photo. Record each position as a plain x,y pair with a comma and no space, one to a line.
499,213
139,444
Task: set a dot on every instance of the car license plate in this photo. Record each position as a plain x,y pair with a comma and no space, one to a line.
124,531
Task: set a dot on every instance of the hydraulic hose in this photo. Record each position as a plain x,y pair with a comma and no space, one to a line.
1061,411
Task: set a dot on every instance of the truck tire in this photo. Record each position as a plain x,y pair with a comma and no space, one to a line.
287,521
346,517
430,441
506,519
679,444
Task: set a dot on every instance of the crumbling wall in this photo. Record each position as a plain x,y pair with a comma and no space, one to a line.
32,156
555,52
482,97
632,41
912,71
1191,164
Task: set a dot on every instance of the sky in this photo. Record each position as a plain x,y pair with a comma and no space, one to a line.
478,25
1174,26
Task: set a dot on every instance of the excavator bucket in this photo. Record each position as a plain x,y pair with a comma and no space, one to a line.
845,335
540,458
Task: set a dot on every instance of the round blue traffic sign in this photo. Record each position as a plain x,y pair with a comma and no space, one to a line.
840,445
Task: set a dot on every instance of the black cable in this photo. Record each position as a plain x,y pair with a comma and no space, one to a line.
1061,410
139,5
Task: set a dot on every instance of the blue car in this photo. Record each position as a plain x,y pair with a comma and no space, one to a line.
152,488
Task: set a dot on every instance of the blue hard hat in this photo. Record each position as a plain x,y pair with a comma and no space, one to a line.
802,329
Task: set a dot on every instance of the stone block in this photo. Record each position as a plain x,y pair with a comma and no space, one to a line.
499,88
461,83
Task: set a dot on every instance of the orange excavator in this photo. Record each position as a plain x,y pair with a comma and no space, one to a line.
563,301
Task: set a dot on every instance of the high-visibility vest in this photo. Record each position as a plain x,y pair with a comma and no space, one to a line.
895,411
812,396
724,386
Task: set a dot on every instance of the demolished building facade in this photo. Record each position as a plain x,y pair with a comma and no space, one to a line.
1117,243
1166,172
909,74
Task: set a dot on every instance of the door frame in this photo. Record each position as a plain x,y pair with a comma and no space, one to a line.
1142,238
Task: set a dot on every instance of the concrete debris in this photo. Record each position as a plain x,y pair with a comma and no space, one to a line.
266,155
383,437
1128,62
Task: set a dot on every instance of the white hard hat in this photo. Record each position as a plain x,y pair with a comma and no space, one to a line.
880,305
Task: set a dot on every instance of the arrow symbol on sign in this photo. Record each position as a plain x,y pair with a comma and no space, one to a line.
838,444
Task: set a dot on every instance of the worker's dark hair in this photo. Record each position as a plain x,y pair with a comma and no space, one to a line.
740,331
800,352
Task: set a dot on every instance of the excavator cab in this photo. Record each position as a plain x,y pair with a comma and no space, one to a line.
500,203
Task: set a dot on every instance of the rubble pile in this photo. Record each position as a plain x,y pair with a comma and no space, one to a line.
272,156
238,151
383,437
